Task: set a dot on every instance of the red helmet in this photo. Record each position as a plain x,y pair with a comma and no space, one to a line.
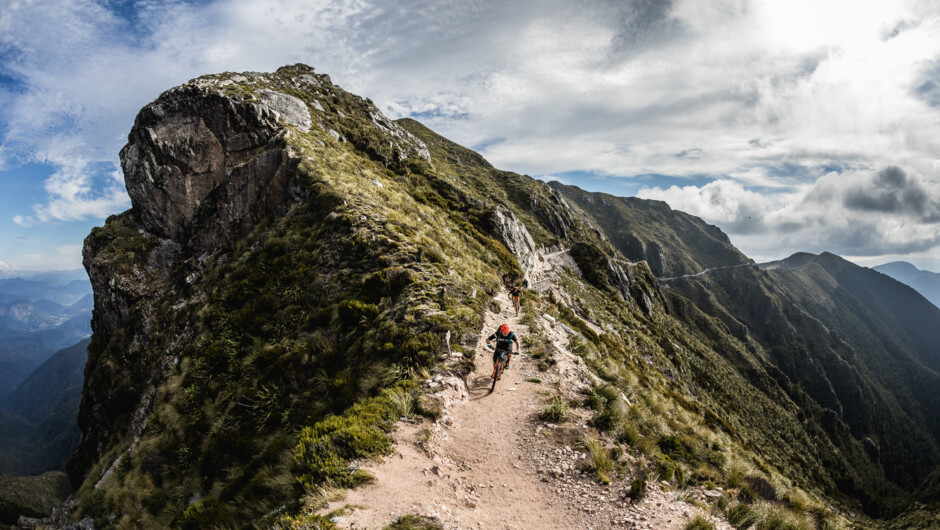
504,329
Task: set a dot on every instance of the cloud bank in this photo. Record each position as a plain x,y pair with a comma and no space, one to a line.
849,212
816,125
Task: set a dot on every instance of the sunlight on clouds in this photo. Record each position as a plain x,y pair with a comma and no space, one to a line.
801,26
720,201
763,97
852,212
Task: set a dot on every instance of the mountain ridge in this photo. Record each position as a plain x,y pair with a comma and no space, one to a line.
927,283
297,269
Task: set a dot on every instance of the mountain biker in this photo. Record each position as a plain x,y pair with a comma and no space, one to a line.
504,339
514,293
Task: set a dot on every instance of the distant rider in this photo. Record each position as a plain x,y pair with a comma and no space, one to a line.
515,293
504,339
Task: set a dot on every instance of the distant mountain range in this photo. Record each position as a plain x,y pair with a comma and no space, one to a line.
925,282
39,419
61,287
45,322
40,313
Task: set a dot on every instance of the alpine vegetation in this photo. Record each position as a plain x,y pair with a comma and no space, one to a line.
299,276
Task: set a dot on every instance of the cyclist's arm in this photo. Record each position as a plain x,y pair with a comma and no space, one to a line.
491,338
514,339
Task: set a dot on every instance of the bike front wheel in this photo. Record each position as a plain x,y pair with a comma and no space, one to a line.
498,373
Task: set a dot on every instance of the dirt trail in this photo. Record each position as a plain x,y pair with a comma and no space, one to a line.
490,463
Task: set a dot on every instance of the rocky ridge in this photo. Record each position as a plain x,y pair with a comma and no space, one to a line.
294,265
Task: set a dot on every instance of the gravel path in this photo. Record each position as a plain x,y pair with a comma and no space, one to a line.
488,462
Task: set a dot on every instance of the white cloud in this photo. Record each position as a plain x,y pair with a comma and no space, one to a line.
753,93
721,201
4,266
72,195
858,213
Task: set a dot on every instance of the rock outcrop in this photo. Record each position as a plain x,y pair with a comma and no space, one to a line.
512,233
203,168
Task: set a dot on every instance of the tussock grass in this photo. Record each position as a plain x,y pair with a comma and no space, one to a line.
599,458
402,401
699,522
555,411
638,487
741,516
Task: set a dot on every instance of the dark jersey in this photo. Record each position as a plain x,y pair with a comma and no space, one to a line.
503,342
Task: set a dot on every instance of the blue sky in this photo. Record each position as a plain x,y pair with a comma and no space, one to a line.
794,125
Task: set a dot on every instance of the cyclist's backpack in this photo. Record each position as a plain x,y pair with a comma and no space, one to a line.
504,342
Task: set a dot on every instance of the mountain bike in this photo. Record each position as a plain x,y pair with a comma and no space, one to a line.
515,303
499,365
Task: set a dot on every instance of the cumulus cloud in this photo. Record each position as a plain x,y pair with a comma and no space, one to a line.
774,106
890,191
857,213
724,202
76,192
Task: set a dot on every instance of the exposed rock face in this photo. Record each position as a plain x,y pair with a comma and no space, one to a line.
204,164
655,258
202,168
556,214
126,309
291,109
513,234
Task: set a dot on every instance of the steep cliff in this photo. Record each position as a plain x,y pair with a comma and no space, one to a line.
290,253
297,273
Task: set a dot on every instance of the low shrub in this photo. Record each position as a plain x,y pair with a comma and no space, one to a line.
637,488
323,450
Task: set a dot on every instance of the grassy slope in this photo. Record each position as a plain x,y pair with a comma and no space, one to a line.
350,293
32,496
300,344
716,396
818,370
